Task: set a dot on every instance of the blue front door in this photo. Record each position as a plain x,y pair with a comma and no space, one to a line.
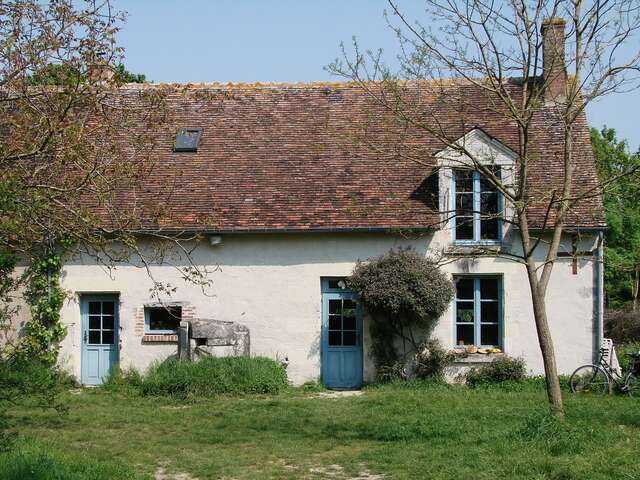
99,337
341,336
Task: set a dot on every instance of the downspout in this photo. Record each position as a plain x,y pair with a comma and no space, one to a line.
599,295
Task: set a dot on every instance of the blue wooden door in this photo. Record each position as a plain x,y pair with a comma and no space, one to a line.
99,337
341,338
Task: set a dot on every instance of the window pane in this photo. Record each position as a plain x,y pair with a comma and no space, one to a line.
349,323
107,322
107,337
94,307
489,229
336,284
334,322
464,312
94,337
464,334
107,307
489,312
164,319
489,203
464,181
489,288
335,307
335,338
485,183
464,203
94,322
348,338
489,335
464,228
464,288
349,308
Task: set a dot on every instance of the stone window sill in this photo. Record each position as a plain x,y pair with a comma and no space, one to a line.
165,338
477,357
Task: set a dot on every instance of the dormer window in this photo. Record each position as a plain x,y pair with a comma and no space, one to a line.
477,207
187,140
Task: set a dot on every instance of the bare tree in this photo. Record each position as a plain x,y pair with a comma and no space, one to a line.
527,63
73,139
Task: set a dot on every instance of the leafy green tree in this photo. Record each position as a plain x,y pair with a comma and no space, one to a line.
622,204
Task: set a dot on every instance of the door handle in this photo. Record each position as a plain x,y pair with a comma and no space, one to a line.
84,337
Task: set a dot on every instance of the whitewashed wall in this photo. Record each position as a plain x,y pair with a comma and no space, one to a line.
271,284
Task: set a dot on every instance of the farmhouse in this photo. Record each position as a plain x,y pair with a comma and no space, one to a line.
287,186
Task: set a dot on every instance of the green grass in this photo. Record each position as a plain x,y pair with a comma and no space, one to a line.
402,431
36,461
214,376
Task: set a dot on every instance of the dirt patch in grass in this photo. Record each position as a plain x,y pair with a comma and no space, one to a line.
161,474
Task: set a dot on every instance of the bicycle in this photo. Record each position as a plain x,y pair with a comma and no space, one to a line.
597,378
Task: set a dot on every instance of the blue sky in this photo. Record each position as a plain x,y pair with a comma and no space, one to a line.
281,40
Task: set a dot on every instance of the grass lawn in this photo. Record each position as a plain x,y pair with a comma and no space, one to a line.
399,432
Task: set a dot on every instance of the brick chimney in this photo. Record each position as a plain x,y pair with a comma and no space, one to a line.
554,70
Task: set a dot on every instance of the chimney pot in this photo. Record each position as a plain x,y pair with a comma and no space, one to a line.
554,72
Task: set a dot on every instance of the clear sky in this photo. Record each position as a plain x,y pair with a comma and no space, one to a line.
281,40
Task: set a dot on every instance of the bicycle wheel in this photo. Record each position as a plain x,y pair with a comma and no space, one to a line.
589,379
632,385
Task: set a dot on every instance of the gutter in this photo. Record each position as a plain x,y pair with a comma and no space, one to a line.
599,295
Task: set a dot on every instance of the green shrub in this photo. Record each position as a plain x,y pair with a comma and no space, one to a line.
33,461
118,379
502,369
403,291
432,360
215,376
621,352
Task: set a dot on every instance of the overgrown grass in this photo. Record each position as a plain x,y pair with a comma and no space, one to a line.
214,376
405,431
29,460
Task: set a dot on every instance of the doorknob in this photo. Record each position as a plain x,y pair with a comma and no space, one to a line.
85,336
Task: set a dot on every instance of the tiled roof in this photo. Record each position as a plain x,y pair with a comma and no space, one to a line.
324,156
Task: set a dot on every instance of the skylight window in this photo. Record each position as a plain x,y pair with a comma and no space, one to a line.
187,140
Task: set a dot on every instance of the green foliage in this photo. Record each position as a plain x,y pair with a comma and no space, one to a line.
502,369
432,360
67,75
403,291
8,284
34,461
623,358
128,380
622,238
28,382
213,376
45,296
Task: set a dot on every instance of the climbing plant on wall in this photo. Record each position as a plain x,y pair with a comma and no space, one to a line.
404,293
45,297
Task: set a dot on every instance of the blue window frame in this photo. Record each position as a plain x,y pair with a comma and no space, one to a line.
478,208
478,311
162,320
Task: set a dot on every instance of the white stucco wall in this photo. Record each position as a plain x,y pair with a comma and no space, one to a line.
271,284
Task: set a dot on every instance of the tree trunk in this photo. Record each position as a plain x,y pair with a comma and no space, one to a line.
546,343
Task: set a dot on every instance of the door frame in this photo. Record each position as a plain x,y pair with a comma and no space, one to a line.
85,298
344,293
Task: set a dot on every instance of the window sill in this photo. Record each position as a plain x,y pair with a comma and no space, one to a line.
463,357
160,338
466,248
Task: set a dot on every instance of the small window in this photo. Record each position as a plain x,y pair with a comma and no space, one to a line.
478,311
161,320
478,207
187,140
